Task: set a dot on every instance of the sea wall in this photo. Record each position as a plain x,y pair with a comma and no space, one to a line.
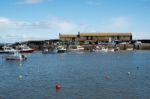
110,46
142,46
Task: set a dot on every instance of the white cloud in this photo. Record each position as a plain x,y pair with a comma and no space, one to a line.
141,35
9,38
16,37
30,1
5,22
55,23
24,30
62,25
120,22
65,25
8,23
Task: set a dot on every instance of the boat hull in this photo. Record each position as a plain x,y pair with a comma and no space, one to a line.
26,51
2,52
15,57
61,51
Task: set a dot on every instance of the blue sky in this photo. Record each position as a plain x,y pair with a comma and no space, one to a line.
22,20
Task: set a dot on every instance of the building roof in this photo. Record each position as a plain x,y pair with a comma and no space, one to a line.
68,35
95,34
105,34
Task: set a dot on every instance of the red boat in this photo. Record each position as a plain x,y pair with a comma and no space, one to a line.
25,49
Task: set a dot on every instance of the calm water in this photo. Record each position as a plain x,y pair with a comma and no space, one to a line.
81,75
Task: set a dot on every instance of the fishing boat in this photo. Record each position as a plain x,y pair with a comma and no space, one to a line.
114,49
7,50
76,48
104,49
111,50
15,56
61,49
129,49
49,50
79,48
96,49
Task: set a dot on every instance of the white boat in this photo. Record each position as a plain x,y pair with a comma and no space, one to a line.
96,49
7,50
114,49
117,49
111,50
80,48
25,49
129,49
104,49
61,49
76,48
15,56
49,51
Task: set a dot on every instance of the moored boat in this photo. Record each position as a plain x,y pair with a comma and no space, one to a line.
7,50
129,49
76,48
61,49
49,50
117,49
104,49
15,56
114,49
25,49
96,49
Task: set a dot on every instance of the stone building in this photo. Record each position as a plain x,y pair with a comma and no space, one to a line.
96,37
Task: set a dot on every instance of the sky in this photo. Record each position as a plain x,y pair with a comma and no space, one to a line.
22,20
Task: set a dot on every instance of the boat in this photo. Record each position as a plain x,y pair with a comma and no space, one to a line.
49,50
25,49
129,49
76,48
61,49
111,50
96,49
53,50
7,50
80,48
103,49
114,49
15,56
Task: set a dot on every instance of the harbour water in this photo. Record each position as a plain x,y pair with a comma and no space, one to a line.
88,75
